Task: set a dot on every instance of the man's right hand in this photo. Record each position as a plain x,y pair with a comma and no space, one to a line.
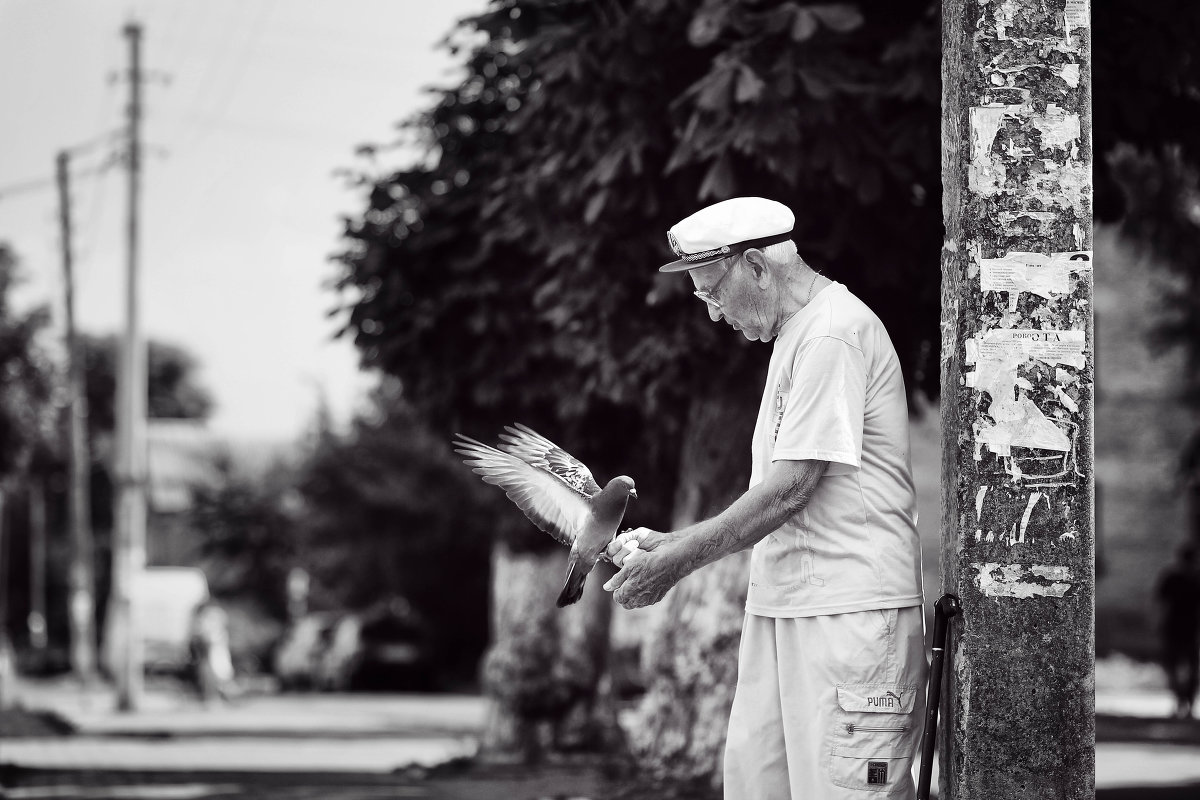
641,538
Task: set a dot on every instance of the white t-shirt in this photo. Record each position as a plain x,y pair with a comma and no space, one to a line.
835,393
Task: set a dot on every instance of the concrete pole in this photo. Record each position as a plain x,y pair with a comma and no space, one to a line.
129,552
1017,385
36,621
82,603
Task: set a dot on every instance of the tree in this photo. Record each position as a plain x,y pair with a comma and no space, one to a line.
26,378
387,511
171,380
30,434
581,133
26,427
511,275
1147,104
247,525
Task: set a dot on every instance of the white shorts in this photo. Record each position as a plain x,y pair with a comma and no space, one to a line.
828,708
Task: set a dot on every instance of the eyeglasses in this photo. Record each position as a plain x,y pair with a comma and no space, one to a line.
709,296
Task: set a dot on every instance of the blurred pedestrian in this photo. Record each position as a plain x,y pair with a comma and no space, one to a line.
208,646
1179,594
831,669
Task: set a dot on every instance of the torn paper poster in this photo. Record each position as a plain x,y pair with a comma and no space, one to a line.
1012,347
1037,273
986,174
1040,220
1015,274
1069,73
1015,419
1066,399
1022,580
1056,128
1077,14
1020,423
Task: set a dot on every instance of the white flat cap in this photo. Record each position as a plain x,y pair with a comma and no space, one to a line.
728,228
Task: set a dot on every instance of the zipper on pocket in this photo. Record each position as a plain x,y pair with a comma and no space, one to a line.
852,728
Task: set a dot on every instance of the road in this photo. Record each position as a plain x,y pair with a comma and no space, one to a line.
340,747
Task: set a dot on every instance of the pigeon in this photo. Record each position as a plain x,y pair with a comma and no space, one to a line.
558,494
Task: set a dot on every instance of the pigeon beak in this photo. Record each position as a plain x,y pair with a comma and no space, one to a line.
633,494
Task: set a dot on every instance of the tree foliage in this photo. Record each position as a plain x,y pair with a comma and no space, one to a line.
1146,101
247,525
388,511
1147,116
174,391
511,274
26,378
517,258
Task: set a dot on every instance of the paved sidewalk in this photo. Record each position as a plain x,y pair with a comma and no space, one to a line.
166,712
270,733
378,755
379,734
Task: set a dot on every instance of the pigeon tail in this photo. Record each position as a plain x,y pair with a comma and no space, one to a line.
573,589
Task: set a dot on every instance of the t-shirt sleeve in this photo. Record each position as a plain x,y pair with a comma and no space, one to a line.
823,412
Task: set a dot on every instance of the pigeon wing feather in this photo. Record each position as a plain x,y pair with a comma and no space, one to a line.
533,448
545,498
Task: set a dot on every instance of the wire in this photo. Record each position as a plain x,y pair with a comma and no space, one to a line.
90,230
247,50
26,186
46,183
235,77
83,148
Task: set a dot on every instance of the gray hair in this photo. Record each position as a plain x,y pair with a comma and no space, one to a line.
783,253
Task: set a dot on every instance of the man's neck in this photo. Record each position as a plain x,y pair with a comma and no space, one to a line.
800,285
803,284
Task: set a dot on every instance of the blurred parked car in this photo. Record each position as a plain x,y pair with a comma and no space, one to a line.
396,651
299,651
164,599
336,662
384,648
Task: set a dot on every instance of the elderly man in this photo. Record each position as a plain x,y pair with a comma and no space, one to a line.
831,670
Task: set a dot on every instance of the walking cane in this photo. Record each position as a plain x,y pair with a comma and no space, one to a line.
946,607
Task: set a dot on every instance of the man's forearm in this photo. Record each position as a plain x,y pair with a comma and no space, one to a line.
758,512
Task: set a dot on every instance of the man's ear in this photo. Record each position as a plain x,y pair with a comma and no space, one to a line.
758,264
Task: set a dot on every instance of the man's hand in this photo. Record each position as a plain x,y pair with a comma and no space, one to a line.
648,567
639,539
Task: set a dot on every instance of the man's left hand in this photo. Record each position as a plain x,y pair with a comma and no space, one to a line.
646,575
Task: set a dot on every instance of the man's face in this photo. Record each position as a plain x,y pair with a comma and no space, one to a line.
731,293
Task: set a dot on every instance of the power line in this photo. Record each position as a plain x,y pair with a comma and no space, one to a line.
235,76
92,144
26,186
91,227
45,183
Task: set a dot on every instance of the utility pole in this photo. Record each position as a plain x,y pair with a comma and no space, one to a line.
82,602
1018,540
36,621
129,551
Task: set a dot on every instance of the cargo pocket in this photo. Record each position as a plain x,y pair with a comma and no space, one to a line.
875,730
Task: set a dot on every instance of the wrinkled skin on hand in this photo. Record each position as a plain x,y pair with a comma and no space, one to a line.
647,573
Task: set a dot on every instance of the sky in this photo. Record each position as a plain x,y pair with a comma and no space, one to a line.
250,108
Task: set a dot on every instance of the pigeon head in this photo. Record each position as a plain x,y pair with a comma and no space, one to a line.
623,481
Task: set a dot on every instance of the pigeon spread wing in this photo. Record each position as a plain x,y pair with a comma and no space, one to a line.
544,497
535,449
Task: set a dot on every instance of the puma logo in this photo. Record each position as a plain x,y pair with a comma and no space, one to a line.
888,700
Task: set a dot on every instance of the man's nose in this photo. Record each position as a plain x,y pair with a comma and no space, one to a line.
714,314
